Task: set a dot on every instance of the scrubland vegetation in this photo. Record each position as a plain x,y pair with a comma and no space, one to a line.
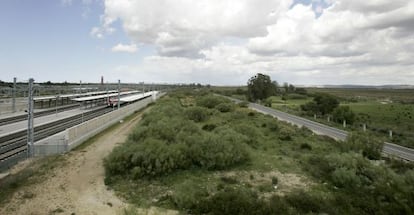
201,154
380,110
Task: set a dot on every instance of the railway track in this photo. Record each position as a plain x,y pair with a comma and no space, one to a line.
13,147
19,118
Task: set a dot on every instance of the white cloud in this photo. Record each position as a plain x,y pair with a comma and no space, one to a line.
226,41
132,48
183,27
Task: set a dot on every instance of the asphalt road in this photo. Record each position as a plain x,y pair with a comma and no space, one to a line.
389,148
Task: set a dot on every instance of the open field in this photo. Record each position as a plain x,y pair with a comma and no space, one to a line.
395,95
381,111
201,154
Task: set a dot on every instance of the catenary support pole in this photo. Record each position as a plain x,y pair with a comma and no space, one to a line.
30,129
14,95
119,94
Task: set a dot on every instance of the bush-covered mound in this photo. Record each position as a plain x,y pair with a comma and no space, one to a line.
170,137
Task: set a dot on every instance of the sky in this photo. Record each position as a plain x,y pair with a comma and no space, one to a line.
218,42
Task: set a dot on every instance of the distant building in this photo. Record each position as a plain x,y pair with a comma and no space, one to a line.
102,80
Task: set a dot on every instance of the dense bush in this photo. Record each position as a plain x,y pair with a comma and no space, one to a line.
365,143
225,107
197,114
342,113
243,104
304,202
211,101
363,187
267,102
209,127
252,133
164,143
220,150
321,104
233,201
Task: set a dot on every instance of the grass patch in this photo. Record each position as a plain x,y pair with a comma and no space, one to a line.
33,174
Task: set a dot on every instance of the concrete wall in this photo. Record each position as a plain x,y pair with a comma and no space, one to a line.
74,136
84,131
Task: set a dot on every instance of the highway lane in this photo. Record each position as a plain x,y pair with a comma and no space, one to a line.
399,151
299,121
389,148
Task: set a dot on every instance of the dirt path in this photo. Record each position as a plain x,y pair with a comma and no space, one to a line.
78,187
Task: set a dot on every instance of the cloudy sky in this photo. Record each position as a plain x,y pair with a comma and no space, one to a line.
219,42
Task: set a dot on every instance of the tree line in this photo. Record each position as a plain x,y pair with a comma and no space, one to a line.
260,88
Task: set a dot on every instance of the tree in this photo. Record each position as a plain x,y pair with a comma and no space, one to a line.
276,87
326,103
291,88
321,104
260,87
342,113
301,91
286,87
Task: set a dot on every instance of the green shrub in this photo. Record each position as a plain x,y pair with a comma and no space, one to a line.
211,101
345,178
243,104
275,180
209,127
225,107
267,102
305,146
304,202
342,113
286,134
232,201
197,114
365,143
272,125
220,150
252,133
188,195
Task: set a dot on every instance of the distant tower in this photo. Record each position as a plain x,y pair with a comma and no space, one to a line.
102,80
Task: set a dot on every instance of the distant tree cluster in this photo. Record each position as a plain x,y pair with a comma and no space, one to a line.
321,104
259,87
324,104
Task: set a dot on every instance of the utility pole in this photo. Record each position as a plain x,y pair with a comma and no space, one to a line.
30,129
107,95
119,94
56,104
14,95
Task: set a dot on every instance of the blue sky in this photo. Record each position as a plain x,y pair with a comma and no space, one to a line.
48,40
221,42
